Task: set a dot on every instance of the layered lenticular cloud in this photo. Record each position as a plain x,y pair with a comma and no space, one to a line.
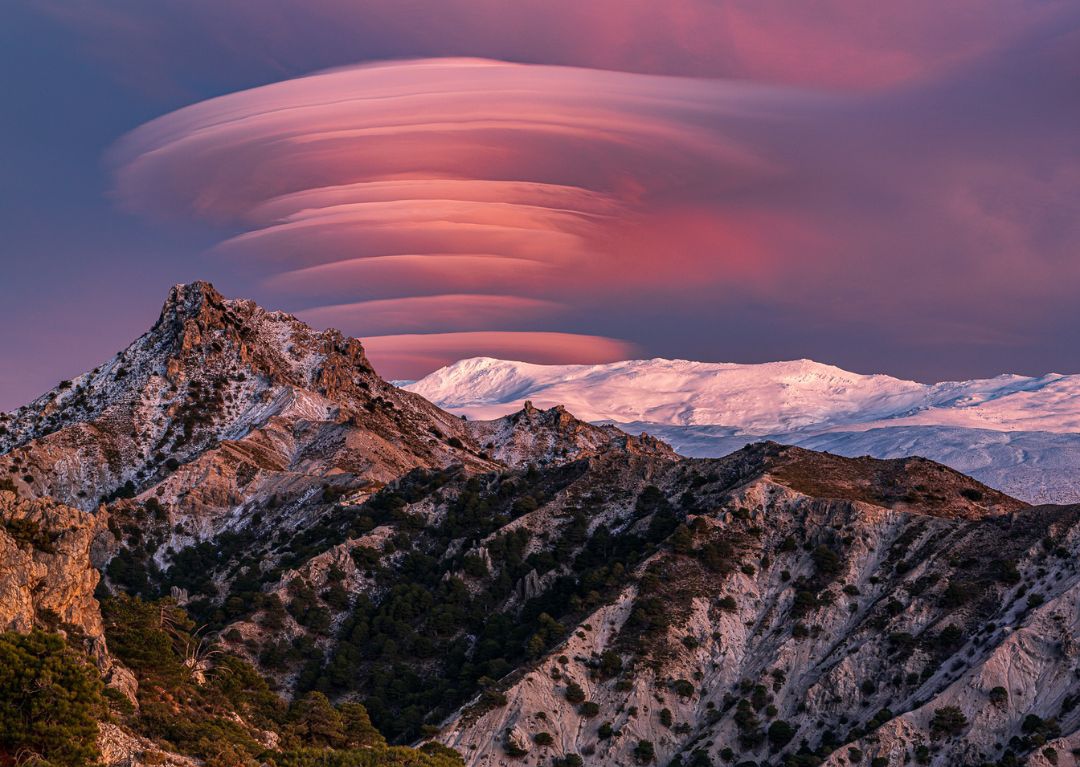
449,196
444,208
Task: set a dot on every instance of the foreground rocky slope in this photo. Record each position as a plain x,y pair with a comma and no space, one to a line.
532,589
776,622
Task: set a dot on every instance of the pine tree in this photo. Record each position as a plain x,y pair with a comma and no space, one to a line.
359,732
50,700
314,721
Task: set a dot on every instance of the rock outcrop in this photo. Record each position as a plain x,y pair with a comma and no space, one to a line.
555,436
120,748
46,579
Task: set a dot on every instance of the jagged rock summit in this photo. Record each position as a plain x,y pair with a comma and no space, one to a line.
229,379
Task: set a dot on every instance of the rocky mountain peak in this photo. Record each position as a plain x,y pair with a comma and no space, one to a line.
198,325
190,300
213,370
554,435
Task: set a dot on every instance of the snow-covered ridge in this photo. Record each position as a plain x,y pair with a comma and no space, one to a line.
1019,434
753,399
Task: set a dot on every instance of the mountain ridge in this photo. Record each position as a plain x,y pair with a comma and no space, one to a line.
1020,434
650,385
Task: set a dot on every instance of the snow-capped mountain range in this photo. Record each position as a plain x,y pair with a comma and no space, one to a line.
1018,433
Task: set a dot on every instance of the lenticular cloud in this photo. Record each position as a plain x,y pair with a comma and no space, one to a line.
443,195
468,205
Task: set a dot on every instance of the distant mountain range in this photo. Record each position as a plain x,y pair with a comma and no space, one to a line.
1016,433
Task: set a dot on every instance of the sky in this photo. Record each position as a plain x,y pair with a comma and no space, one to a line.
889,188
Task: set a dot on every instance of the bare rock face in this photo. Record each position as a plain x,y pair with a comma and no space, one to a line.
120,748
529,586
45,574
517,741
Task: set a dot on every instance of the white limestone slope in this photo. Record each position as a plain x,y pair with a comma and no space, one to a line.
1020,434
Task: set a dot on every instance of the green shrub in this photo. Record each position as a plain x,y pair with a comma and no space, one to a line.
957,593
826,561
805,602
880,718
50,700
513,749
644,751
574,693
682,540
314,721
27,532
428,755
610,664
359,731
780,733
1006,572
948,721
683,688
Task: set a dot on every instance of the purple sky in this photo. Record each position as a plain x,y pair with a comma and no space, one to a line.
887,187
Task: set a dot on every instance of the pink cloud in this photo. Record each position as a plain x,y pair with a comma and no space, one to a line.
429,313
456,195
477,197
399,274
